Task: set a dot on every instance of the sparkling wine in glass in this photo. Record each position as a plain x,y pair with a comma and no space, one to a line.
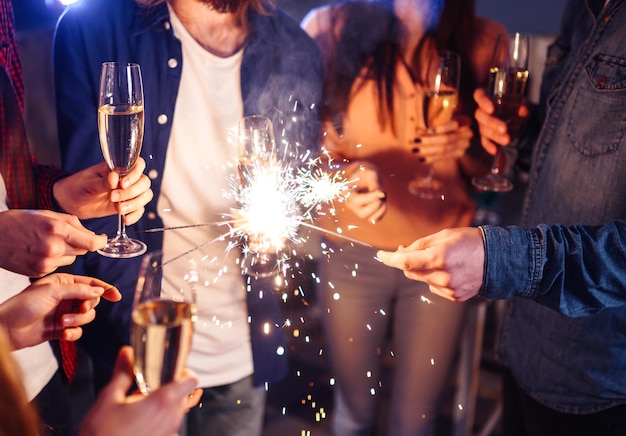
120,124
162,324
441,97
257,161
257,147
507,85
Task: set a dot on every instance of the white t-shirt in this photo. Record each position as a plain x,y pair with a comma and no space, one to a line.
201,158
37,363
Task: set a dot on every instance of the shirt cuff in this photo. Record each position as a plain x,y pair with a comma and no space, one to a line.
513,257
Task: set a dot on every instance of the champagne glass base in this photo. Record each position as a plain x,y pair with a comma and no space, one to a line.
123,248
427,189
492,182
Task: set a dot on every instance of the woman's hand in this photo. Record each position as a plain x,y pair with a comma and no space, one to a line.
446,141
54,307
365,198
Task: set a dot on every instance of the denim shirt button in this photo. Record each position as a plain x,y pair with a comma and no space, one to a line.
151,215
167,25
153,174
607,17
172,63
162,119
602,81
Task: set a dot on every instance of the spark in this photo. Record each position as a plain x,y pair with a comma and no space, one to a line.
276,198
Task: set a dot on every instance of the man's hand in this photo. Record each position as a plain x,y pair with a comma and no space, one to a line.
35,243
159,413
96,192
451,262
54,307
493,130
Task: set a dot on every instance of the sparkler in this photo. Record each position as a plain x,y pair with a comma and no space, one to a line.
276,198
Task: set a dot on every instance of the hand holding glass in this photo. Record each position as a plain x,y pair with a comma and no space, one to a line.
162,325
257,160
441,97
120,124
507,84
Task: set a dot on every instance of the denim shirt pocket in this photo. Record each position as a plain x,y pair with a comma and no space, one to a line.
597,123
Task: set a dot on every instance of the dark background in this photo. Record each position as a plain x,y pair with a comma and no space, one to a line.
533,16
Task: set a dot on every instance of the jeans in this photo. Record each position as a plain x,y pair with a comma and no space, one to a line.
236,409
367,306
524,416
53,407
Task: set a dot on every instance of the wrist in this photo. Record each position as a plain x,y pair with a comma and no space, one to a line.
59,203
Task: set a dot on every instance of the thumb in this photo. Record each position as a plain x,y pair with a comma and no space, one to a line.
112,180
123,376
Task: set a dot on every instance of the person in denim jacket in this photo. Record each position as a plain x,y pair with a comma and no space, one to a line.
567,374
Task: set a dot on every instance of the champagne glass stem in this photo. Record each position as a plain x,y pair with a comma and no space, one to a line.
494,181
121,226
428,177
495,165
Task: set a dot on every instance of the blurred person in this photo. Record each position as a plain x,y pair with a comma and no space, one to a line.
205,65
34,242
375,56
115,412
565,374
53,307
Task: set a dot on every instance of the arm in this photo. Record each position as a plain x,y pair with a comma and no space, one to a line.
575,270
54,307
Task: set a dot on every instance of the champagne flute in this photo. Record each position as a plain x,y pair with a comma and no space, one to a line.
257,146
162,324
441,97
507,85
120,124
257,159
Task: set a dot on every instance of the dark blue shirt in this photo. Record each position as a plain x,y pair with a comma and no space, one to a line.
281,77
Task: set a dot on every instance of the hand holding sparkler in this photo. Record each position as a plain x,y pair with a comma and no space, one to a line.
450,261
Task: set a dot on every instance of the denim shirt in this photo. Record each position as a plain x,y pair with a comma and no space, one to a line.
573,365
577,270
281,77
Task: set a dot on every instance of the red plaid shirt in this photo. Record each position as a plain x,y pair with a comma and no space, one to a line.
29,185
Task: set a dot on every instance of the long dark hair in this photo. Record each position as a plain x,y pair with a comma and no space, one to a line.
367,34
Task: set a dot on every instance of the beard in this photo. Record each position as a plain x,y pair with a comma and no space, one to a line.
224,6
